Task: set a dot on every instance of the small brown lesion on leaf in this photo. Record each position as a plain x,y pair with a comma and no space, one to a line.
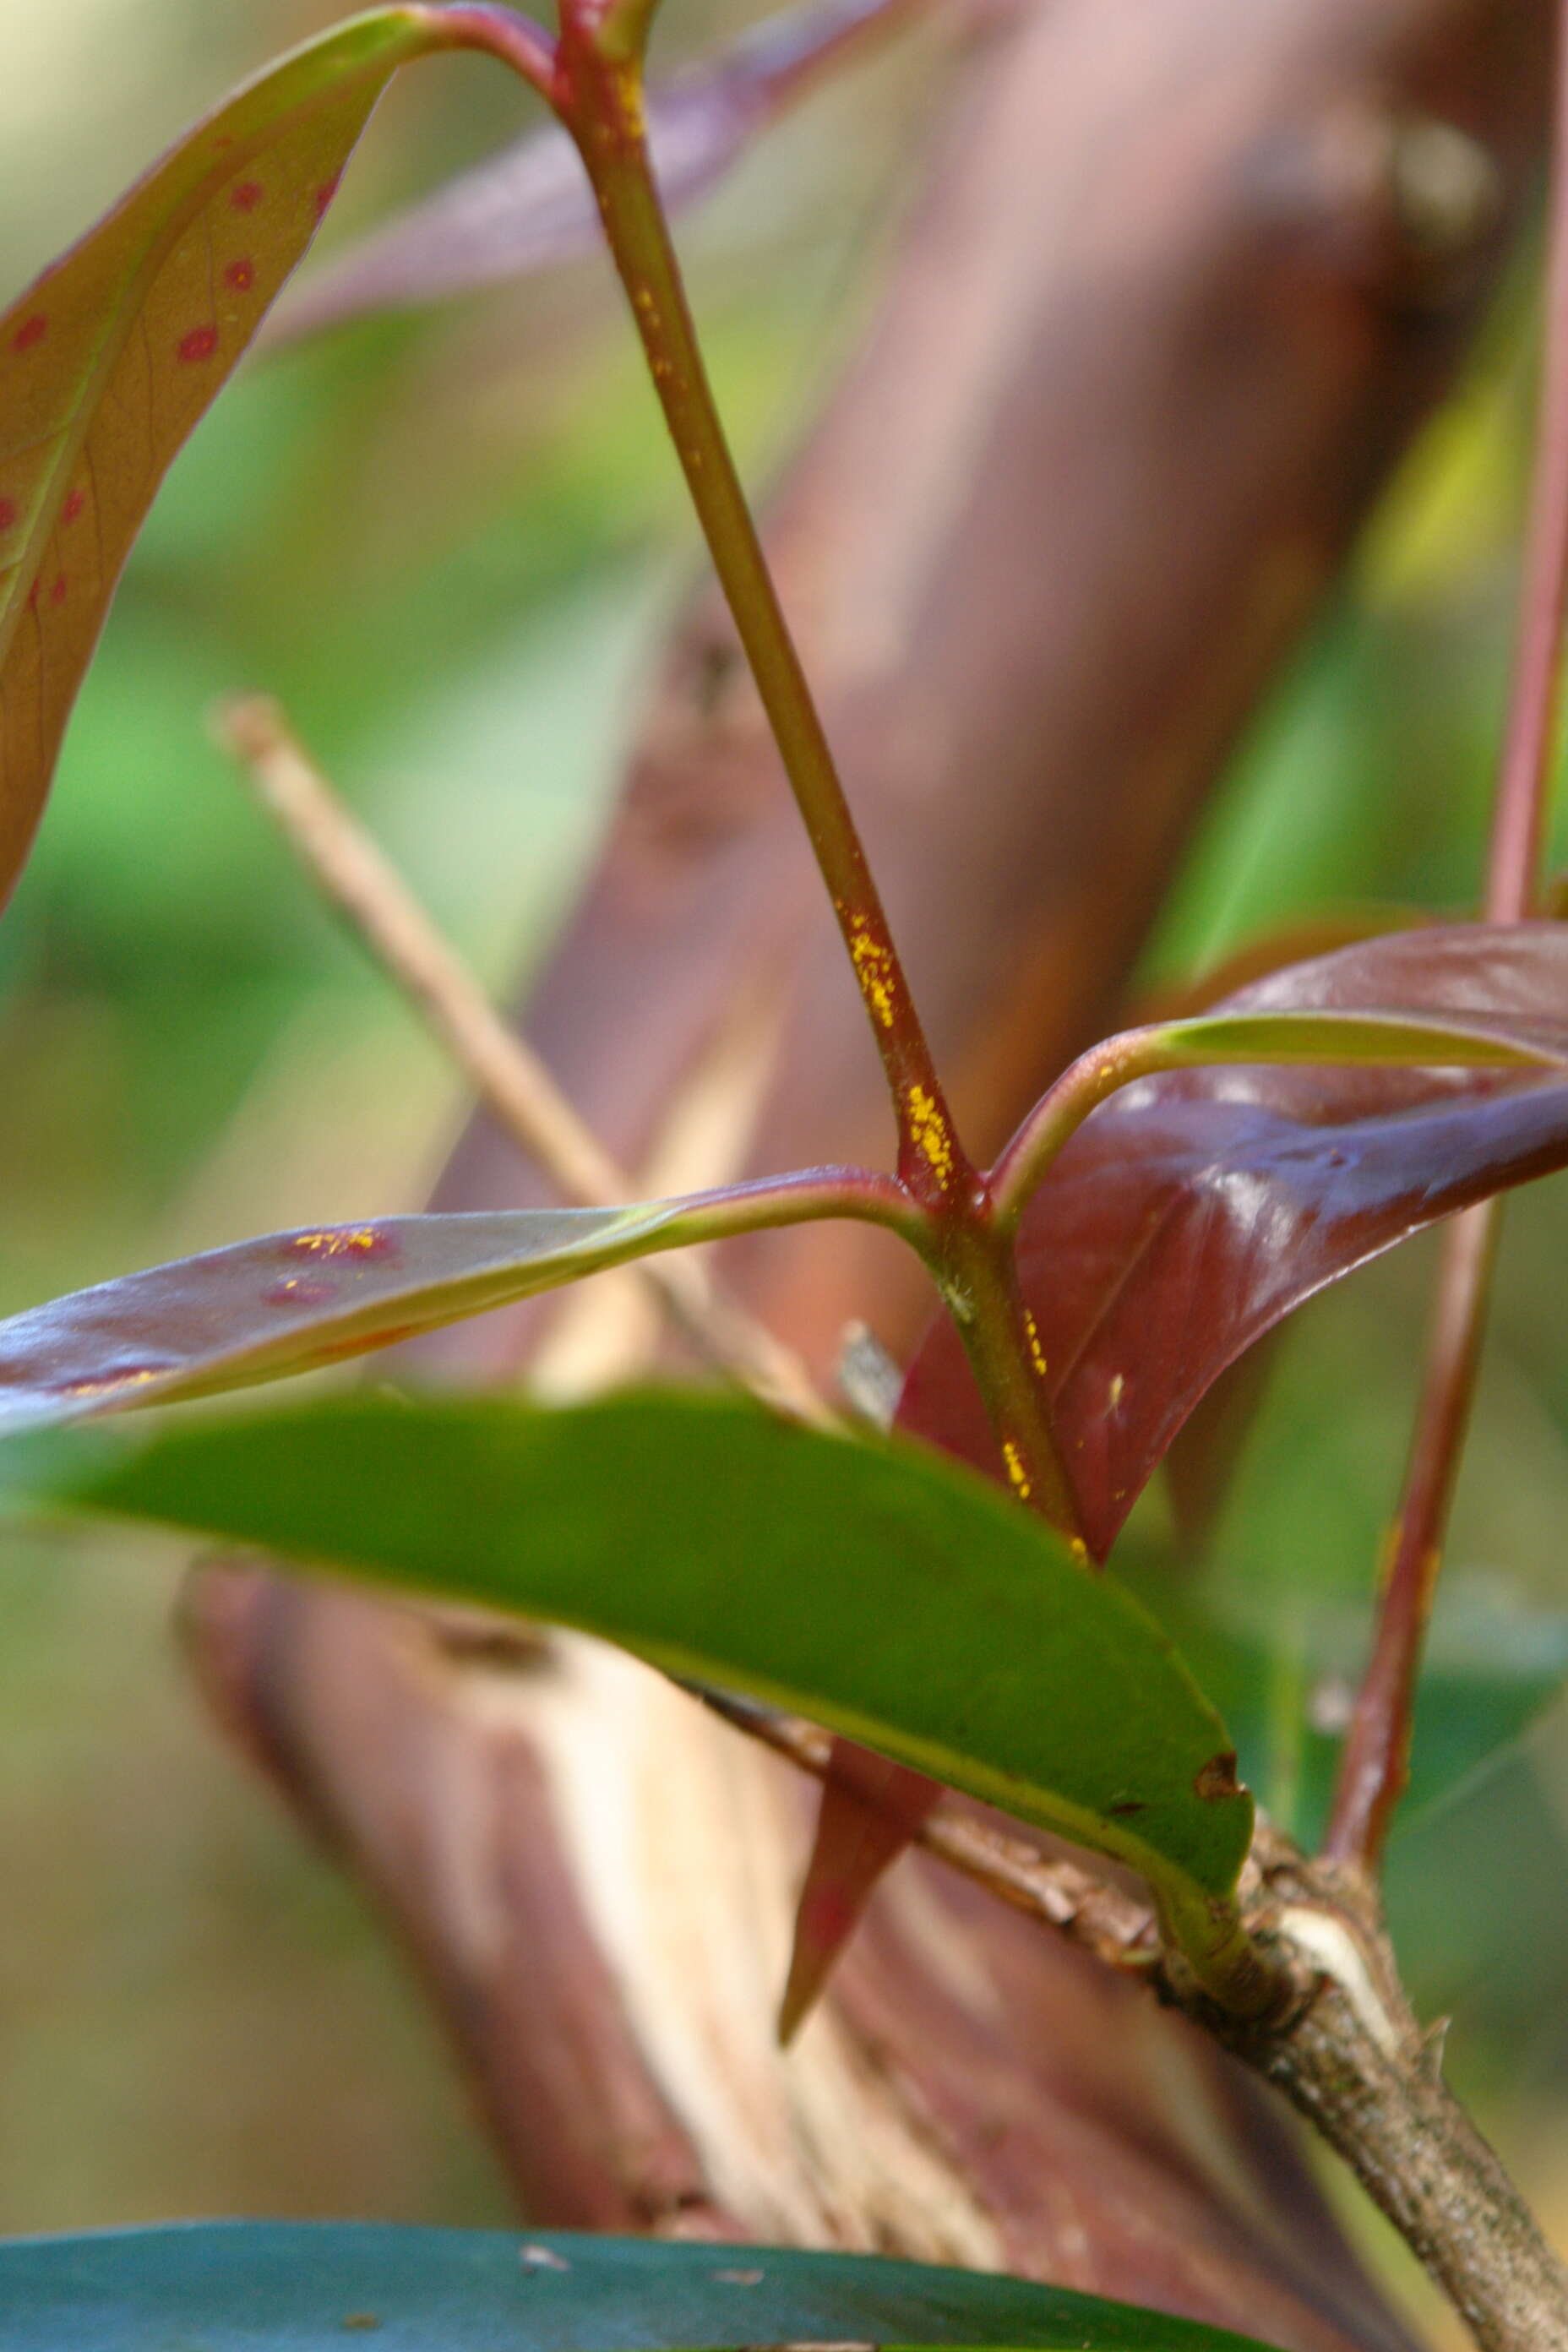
1217,1778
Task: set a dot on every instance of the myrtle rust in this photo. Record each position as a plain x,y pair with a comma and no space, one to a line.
873,963
929,1129
345,1240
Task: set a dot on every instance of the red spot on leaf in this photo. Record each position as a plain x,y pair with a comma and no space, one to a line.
245,196
74,505
298,1291
240,274
199,344
31,330
8,513
59,591
324,194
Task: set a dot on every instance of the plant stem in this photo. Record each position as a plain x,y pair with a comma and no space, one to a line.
978,1276
1374,1765
599,99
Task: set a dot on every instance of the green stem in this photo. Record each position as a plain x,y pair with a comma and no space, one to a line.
975,1271
599,98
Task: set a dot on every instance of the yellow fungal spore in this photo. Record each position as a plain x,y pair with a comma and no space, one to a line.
928,1128
1036,1353
341,1244
1015,1470
873,969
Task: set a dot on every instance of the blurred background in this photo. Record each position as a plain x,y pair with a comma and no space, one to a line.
447,543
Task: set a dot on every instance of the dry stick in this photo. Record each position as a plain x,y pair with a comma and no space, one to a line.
1344,2045
1374,1766
351,871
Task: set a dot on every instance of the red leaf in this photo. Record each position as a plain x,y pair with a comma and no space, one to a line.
1194,1210
111,358
870,1810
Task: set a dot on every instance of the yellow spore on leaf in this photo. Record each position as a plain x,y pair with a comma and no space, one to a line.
1015,1470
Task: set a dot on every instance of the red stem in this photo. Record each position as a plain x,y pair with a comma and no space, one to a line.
1374,1766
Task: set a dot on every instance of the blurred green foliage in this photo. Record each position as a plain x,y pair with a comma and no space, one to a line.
444,544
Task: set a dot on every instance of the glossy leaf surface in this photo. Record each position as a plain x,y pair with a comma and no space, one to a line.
230,2286
872,1588
293,1301
109,360
1194,1209
530,207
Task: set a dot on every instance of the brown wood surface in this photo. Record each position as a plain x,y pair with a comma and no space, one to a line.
1166,307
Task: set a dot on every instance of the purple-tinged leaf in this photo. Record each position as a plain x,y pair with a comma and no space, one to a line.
291,1302
531,207
1194,1209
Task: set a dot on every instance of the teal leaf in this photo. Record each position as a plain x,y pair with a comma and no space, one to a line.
319,2287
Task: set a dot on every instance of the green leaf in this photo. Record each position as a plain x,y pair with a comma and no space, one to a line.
315,2287
1284,1667
110,358
877,1590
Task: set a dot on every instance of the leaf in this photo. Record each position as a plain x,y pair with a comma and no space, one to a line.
1284,1670
291,1302
531,207
873,1588
109,360
870,1809
1194,1210
247,2286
